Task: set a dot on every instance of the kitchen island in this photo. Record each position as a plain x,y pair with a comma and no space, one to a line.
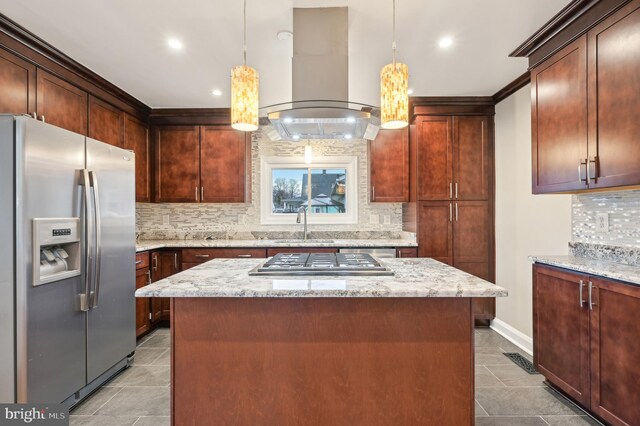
322,350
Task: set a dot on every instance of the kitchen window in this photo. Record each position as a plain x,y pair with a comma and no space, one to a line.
327,189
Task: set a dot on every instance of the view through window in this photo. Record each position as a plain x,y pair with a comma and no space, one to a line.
320,191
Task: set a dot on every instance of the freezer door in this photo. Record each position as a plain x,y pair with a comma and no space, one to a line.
111,319
50,327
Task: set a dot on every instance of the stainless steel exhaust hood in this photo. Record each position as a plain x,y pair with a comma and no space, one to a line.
320,108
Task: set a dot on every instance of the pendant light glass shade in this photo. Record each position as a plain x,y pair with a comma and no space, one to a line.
244,98
394,96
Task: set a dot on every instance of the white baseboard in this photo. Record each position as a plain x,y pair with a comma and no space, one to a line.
516,337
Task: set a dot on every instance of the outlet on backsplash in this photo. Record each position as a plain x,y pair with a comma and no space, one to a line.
165,219
374,219
602,223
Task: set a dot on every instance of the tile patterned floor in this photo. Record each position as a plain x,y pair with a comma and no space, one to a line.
505,394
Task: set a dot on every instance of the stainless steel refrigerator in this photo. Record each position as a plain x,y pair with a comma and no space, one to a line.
67,262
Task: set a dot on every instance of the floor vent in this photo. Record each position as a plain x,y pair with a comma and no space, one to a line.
522,362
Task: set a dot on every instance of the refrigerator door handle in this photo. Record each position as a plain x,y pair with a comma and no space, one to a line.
86,183
98,233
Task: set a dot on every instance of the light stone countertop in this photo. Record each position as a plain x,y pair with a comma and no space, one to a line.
602,268
145,245
415,277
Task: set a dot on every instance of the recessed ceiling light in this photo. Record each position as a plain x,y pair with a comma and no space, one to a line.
174,43
288,120
296,137
410,91
445,42
348,136
351,120
216,92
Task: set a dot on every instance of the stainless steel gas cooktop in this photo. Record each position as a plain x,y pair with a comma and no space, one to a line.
322,264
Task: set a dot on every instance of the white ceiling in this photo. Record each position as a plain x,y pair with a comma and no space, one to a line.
125,41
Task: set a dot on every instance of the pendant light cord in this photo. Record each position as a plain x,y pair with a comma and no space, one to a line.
393,45
244,45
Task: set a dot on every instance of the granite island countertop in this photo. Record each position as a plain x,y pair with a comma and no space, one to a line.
602,268
145,245
414,277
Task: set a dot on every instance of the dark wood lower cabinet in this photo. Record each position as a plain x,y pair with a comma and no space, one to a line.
407,252
143,323
586,341
164,263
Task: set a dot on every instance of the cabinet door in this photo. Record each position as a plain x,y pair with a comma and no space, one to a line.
61,103
615,351
434,158
106,122
142,303
177,159
559,120
435,230
136,139
168,264
614,104
561,330
389,166
156,302
17,85
223,164
472,158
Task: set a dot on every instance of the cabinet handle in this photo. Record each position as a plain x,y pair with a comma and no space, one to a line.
456,212
399,253
450,189
596,163
456,185
591,303
35,116
138,262
154,259
196,193
580,164
175,261
450,212
202,193
244,255
201,255
149,277
42,118
373,193
581,300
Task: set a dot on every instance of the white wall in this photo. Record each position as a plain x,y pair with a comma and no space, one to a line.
525,224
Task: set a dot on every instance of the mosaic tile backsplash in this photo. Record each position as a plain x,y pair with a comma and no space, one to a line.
243,220
623,208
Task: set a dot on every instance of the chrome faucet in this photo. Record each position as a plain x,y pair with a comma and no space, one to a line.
303,209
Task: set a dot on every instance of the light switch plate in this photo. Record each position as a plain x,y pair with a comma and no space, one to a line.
165,219
374,219
602,223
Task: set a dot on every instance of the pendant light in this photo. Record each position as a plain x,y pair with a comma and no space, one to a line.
244,91
394,86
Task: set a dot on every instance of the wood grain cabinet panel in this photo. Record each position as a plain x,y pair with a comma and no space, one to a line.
106,122
223,165
435,231
61,103
614,104
389,166
407,252
164,263
434,158
17,85
615,351
177,161
559,120
136,139
561,330
143,322
472,158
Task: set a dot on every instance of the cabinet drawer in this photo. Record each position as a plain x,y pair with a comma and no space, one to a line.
203,255
407,252
142,260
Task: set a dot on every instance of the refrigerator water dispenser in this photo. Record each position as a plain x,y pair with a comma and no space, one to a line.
56,249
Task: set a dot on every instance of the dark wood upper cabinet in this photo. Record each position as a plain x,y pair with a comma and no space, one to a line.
559,120
17,85
61,103
561,330
472,158
435,230
389,166
136,139
223,165
177,164
614,104
106,122
434,158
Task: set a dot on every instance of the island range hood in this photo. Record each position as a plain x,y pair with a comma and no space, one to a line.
320,108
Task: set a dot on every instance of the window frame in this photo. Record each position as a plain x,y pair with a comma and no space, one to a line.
349,163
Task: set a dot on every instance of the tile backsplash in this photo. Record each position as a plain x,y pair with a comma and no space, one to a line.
244,219
623,208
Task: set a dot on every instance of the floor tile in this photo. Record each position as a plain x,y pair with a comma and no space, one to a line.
157,341
525,401
487,337
153,421
509,421
491,356
162,330
146,356
480,411
513,375
164,359
138,401
484,378
143,375
102,420
570,421
95,401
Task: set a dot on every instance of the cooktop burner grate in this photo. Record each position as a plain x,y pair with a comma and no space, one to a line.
322,263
